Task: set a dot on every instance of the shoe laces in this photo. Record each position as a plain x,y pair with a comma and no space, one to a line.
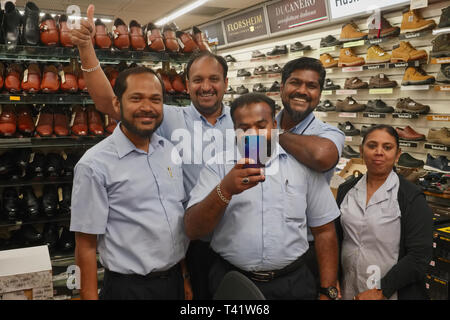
378,50
421,71
353,24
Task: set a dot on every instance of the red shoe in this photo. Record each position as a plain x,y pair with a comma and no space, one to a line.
8,120
50,79
188,42
31,81
79,126
137,39
61,123
64,32
13,78
166,80
25,123
102,38
170,38
120,33
201,40
49,31
44,126
69,81
178,82
155,41
94,121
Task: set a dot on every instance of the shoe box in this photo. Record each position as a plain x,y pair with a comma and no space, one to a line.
437,288
438,275
441,241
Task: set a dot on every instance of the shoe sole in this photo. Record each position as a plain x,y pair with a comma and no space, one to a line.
426,167
437,142
377,61
402,110
397,60
418,82
331,66
353,64
387,110
371,86
411,139
430,26
353,39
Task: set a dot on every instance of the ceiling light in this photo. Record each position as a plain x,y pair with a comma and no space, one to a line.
180,12
41,14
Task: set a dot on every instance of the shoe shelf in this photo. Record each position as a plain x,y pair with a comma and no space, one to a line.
437,147
43,181
440,60
53,98
442,87
50,142
61,54
408,144
38,220
437,195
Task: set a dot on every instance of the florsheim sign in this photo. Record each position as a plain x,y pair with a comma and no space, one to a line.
294,13
344,8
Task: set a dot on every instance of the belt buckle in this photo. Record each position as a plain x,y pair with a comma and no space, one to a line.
262,276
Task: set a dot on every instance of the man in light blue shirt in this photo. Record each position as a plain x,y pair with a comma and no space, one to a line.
127,201
259,221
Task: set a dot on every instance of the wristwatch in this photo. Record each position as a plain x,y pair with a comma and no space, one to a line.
330,292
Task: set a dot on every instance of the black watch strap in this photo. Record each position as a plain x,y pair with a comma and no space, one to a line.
330,292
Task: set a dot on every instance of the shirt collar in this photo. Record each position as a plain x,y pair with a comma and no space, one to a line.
300,126
124,145
198,116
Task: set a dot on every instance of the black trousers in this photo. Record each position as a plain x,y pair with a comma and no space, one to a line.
135,287
199,258
297,285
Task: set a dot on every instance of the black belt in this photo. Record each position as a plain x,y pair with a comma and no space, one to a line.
265,276
151,275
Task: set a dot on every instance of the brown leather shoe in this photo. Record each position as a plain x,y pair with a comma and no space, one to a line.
170,38
64,32
137,39
69,80
102,38
44,126
50,79
13,77
188,43
95,124
112,74
61,123
409,133
166,80
79,125
349,105
110,124
8,120
120,34
25,123
384,30
200,39
381,81
49,31
154,38
177,82
355,83
31,81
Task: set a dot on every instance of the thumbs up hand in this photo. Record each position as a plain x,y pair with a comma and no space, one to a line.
82,36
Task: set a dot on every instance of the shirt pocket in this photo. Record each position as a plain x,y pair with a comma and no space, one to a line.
175,185
295,197
387,228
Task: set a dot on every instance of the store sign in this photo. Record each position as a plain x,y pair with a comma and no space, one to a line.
246,26
214,33
344,8
294,13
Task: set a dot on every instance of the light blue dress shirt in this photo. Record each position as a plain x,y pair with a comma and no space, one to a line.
311,126
202,143
264,228
133,201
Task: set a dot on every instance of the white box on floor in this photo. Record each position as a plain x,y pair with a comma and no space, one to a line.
26,274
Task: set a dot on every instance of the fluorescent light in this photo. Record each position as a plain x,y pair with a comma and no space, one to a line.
180,12
41,14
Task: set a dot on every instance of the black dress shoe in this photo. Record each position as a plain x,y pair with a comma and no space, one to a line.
12,20
30,204
298,46
348,129
64,205
51,236
53,165
50,200
243,73
31,31
329,85
278,50
35,169
11,207
230,58
275,87
259,88
329,41
230,90
378,105
69,164
273,69
66,242
349,153
326,106
30,235
408,161
241,90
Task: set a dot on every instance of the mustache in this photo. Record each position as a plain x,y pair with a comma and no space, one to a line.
206,92
145,115
300,96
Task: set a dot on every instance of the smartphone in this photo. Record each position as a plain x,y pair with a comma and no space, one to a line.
254,146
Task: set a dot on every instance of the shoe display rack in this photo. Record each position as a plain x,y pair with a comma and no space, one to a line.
406,84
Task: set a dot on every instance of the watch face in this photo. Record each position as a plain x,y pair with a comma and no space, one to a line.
332,292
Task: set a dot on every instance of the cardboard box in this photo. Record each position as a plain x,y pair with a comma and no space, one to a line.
441,241
352,166
26,274
438,289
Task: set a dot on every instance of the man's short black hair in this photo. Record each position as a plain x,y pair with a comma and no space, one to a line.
250,98
202,54
121,82
304,63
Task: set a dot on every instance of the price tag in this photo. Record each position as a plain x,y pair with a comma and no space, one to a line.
327,49
352,69
354,44
327,92
381,91
348,139
347,115
346,92
14,98
417,4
